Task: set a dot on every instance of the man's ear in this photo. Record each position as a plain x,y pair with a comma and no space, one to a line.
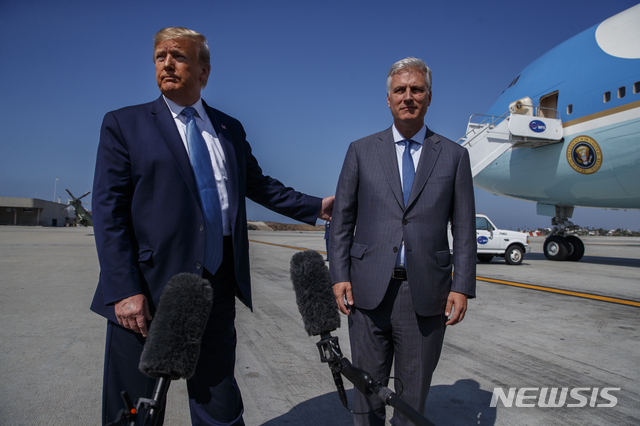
206,70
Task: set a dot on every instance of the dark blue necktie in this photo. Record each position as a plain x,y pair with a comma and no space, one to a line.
408,171
201,163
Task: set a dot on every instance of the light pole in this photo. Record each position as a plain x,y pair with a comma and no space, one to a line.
55,184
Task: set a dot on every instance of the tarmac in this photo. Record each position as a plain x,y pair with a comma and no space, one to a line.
538,325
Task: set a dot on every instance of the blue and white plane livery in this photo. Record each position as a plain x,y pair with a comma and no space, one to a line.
566,132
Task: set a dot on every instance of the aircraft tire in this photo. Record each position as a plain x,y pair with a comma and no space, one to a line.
576,249
556,248
485,258
514,255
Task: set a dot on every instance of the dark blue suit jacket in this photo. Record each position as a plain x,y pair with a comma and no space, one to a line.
147,217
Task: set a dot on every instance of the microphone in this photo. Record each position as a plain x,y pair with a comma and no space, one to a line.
317,305
314,293
172,347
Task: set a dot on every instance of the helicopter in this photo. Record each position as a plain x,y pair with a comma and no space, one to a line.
83,217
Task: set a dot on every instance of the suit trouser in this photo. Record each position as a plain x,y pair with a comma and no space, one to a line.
214,396
394,334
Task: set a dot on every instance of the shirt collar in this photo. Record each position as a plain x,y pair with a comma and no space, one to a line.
418,137
177,109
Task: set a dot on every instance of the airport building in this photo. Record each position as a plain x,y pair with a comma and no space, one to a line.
33,212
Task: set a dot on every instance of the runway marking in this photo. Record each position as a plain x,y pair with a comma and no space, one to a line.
567,292
511,283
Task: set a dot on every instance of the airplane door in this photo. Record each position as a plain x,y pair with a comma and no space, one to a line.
548,105
486,236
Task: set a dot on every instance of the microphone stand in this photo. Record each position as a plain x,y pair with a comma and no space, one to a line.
330,353
127,416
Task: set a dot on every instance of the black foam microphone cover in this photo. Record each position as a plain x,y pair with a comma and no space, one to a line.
172,346
314,293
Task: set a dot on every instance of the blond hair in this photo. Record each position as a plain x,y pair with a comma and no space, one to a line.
173,33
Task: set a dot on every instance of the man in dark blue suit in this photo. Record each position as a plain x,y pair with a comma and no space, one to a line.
152,220
390,260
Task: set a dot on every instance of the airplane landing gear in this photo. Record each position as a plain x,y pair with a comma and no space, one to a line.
576,248
559,246
556,248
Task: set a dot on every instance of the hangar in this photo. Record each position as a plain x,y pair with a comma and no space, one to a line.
33,212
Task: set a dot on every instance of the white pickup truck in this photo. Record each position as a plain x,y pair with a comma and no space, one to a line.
492,242
511,245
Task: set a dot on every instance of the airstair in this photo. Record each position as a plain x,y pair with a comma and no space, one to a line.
488,137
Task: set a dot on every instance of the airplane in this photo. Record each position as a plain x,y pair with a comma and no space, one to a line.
83,217
566,132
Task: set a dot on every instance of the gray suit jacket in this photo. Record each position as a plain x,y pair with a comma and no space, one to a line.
370,221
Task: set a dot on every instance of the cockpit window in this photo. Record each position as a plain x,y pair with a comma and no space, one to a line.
515,80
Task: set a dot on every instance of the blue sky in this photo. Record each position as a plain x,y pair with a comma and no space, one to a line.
305,78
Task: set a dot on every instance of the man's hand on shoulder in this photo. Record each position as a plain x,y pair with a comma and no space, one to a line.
342,291
133,313
456,303
326,210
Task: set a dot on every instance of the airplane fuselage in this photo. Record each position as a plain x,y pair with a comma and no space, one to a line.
593,80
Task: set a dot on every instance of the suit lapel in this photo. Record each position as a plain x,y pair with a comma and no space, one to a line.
226,141
430,153
387,152
161,115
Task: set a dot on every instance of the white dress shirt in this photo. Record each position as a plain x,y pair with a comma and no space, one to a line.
216,152
416,150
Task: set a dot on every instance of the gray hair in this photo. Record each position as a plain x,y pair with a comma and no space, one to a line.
173,33
409,62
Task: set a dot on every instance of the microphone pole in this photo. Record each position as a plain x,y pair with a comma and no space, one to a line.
330,353
128,415
155,404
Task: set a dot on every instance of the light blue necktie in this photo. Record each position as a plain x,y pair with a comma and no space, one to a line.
202,168
408,171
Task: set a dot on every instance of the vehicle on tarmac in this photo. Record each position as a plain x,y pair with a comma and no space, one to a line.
492,242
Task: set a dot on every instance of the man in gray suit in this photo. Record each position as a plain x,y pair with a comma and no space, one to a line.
390,260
